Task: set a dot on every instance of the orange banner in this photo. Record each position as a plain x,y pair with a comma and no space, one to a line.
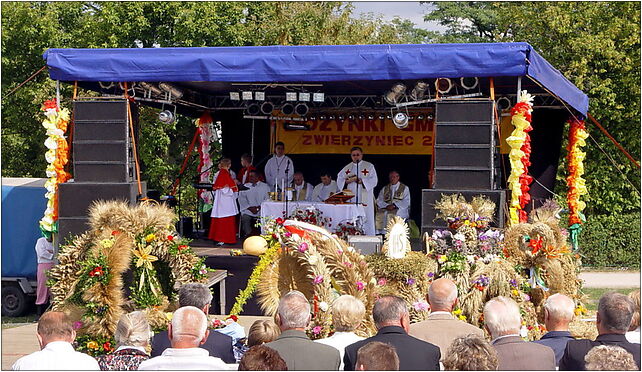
375,136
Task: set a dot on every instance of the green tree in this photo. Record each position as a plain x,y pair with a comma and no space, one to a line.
596,45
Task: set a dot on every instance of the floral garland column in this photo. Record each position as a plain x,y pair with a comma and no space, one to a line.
520,143
576,184
57,157
206,129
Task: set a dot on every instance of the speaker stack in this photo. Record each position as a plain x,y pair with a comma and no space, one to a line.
103,163
465,156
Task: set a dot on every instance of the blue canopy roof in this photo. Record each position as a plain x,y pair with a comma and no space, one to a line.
313,64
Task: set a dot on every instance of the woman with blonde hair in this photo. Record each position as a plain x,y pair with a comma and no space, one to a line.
347,314
132,339
633,335
261,332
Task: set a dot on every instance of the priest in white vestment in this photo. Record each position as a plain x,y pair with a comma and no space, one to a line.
302,189
327,187
360,177
279,170
250,201
393,200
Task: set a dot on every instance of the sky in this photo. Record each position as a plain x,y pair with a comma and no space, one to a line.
412,10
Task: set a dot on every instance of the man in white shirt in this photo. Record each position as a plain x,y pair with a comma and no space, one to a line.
279,170
55,335
323,190
393,200
45,255
250,201
302,189
360,177
187,330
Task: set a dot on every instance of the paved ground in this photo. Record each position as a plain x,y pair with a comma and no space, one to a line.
19,341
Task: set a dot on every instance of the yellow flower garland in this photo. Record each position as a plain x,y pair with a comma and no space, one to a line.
516,141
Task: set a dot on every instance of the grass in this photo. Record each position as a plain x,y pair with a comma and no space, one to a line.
594,295
10,322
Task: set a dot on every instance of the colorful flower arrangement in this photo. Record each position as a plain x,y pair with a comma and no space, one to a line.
57,157
311,215
205,128
576,185
94,346
520,144
345,229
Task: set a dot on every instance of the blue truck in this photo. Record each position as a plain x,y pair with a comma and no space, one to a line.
23,204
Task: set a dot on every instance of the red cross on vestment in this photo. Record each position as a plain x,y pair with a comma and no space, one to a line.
347,171
365,172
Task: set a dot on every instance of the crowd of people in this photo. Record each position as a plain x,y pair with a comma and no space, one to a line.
242,194
441,342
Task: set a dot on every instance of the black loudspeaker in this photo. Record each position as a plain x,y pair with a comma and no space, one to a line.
185,227
430,196
102,150
68,227
464,145
75,198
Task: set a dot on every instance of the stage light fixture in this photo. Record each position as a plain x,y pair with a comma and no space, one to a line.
469,83
150,87
296,126
370,117
395,93
312,118
360,117
400,120
388,117
259,96
253,109
267,108
419,91
304,97
287,109
443,85
331,117
290,96
503,103
430,117
318,97
172,90
166,117
341,117
235,96
301,109
322,117
420,117
247,96
351,117
381,117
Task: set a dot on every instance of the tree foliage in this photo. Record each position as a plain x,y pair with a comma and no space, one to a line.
30,28
596,45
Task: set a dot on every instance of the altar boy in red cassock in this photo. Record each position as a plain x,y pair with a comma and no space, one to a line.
224,210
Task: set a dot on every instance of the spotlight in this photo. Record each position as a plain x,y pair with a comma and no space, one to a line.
287,109
322,117
395,93
503,103
318,97
172,90
290,96
235,96
253,109
247,96
331,117
341,117
267,108
420,117
360,117
381,117
443,85
469,82
370,117
400,120
301,109
351,117
419,91
150,87
312,118
304,97
259,96
166,117
388,117
430,117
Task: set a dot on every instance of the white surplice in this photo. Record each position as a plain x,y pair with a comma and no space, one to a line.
321,192
402,202
253,197
275,169
224,204
366,172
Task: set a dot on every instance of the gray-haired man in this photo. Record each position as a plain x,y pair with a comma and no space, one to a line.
199,296
294,346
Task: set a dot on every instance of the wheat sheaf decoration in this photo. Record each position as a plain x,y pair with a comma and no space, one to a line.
322,267
134,242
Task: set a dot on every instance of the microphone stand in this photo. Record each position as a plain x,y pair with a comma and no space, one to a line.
285,194
356,203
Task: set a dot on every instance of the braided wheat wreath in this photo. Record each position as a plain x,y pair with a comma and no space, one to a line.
322,267
88,284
